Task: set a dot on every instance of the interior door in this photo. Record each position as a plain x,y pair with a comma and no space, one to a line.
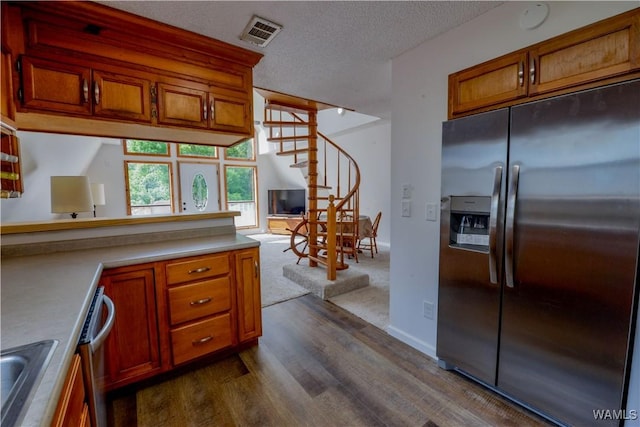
199,187
569,281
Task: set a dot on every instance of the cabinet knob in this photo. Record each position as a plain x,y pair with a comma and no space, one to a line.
85,91
521,73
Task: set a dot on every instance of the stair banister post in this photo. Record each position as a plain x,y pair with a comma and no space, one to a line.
331,239
312,187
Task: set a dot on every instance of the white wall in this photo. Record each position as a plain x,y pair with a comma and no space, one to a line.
419,106
370,146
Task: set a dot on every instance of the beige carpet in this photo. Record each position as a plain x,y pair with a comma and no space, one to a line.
370,303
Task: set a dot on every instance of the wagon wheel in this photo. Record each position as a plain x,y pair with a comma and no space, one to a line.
300,239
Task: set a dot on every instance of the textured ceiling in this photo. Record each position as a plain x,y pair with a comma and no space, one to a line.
336,52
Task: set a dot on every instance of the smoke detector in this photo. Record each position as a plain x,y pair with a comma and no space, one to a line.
260,31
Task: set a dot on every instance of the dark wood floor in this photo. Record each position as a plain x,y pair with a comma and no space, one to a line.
318,365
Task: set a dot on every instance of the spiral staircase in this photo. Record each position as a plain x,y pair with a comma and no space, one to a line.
328,233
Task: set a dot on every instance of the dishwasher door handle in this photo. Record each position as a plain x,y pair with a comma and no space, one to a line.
101,336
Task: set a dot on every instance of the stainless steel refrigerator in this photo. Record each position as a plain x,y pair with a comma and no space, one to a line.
539,240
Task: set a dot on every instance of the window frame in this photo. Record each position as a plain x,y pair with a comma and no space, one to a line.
241,159
195,156
129,153
128,186
255,192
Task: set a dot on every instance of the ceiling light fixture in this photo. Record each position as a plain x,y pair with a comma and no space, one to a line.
260,31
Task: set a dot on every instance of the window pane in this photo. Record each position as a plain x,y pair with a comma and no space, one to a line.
136,146
241,194
149,188
242,150
194,150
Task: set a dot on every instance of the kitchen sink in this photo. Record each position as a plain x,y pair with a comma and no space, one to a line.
20,370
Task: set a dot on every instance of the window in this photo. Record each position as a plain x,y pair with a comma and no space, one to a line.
149,148
241,151
241,194
194,150
148,188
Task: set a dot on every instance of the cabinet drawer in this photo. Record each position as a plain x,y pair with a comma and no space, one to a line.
197,268
189,302
198,339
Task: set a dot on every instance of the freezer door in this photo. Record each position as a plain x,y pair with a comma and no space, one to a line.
474,152
571,251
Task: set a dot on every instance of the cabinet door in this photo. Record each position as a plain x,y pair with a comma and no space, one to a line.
230,114
7,109
72,407
132,348
596,52
248,294
182,106
488,84
55,86
121,96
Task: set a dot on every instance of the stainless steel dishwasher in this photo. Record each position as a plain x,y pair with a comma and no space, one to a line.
96,328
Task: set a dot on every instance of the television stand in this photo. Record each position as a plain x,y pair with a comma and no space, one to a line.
278,224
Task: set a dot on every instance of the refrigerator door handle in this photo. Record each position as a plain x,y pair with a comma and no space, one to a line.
493,224
509,231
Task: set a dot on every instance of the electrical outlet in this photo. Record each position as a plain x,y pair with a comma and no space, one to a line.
427,309
406,208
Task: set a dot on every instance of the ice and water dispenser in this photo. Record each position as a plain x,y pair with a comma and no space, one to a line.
469,222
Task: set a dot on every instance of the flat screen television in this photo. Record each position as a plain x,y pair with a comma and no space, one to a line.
287,202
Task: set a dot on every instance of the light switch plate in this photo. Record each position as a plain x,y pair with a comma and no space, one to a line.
406,208
432,212
406,191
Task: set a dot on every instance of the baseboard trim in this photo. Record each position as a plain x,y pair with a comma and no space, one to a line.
419,345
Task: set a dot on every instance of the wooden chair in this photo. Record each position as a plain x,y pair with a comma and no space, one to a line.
372,244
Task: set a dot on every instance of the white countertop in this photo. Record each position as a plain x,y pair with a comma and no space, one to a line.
47,297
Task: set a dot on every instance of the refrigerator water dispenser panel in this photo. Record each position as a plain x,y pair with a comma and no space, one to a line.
470,222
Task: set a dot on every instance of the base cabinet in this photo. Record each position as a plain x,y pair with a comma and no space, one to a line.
282,224
172,312
72,409
248,291
132,348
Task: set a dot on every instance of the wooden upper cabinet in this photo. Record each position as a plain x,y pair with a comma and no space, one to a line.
593,53
91,69
490,83
230,114
182,106
67,88
121,96
601,53
7,107
191,104
55,86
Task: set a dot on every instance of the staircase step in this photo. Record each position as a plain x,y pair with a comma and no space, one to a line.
321,187
300,165
292,152
283,124
288,138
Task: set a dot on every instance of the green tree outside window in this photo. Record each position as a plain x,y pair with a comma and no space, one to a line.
195,150
137,146
242,150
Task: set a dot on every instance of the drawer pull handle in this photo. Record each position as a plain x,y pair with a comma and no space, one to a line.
202,340
201,301
199,270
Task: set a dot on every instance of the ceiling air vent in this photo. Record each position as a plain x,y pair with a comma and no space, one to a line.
260,31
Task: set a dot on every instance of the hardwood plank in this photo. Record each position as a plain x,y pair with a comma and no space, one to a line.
318,365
